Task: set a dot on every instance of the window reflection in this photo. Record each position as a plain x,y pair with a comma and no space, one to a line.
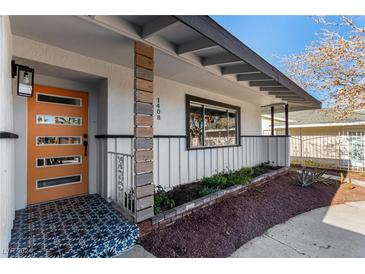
232,133
58,140
196,126
218,127
57,161
58,120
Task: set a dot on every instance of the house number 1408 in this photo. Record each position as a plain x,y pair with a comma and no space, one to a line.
158,109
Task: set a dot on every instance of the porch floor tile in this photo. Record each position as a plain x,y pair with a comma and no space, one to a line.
84,226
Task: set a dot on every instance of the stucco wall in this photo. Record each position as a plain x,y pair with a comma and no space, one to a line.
7,190
172,105
118,103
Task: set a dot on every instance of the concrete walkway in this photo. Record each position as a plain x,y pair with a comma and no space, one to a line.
136,251
335,231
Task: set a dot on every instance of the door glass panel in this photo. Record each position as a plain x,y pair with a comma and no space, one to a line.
58,120
58,161
58,140
47,98
58,181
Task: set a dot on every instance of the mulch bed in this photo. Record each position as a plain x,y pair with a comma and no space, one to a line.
185,193
189,192
218,230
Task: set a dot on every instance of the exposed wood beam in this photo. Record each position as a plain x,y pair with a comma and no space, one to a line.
245,68
222,58
212,30
292,98
296,101
274,89
288,96
252,76
198,44
284,93
271,83
157,25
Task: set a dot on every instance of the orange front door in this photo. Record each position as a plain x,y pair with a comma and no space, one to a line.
57,144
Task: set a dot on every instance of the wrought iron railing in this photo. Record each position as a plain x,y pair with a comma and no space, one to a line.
121,183
344,152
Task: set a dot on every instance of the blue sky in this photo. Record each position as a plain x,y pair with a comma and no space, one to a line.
272,36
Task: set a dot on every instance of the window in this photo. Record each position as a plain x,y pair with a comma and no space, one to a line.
58,120
210,123
58,140
53,99
60,181
58,161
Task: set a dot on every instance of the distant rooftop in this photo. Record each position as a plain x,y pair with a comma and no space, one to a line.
319,117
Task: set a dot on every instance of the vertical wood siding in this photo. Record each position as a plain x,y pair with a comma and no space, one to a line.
174,165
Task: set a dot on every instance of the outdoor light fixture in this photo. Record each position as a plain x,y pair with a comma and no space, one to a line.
25,83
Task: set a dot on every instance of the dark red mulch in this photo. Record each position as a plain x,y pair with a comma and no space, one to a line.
185,193
217,231
188,192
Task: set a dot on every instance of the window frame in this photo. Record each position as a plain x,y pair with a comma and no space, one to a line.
207,102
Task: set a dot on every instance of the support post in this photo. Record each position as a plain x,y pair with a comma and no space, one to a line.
143,132
286,120
272,121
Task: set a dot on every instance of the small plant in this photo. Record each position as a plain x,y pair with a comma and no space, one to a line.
261,169
217,181
206,191
162,200
307,177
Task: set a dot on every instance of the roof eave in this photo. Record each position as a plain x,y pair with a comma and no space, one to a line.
209,28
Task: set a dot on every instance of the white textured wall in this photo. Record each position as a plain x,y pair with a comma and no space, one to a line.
172,106
120,79
6,145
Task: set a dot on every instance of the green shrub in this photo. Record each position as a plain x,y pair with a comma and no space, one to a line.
162,200
246,174
261,169
207,190
217,181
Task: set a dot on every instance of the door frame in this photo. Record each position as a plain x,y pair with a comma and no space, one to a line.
83,161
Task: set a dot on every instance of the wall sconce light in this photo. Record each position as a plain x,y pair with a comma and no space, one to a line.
25,82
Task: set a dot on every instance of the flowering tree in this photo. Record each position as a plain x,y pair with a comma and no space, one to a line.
333,65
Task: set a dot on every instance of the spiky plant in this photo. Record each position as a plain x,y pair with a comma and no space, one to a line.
307,177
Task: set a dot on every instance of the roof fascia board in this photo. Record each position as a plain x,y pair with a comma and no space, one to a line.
212,30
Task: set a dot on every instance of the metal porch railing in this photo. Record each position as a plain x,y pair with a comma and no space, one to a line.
343,152
121,183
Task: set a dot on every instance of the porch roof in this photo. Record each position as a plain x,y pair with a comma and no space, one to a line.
202,40
193,50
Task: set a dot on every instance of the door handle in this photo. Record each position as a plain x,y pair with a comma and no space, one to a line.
85,143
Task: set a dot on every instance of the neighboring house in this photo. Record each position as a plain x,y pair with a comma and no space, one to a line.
123,103
320,137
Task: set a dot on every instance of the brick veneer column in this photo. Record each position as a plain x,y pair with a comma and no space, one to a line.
143,131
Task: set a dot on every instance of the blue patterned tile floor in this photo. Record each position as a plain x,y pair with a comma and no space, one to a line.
84,226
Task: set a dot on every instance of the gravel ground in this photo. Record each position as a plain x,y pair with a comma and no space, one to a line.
219,230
